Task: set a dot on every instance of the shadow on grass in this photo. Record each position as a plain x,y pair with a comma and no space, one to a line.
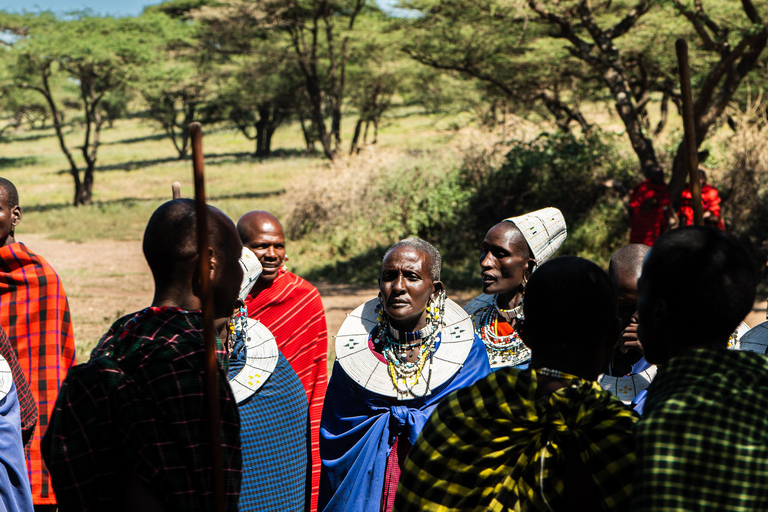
19,161
134,140
26,137
135,165
131,201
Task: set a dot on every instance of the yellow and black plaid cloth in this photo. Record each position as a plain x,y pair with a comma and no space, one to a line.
702,443
495,446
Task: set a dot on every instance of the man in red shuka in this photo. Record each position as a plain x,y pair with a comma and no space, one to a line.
710,202
291,309
650,208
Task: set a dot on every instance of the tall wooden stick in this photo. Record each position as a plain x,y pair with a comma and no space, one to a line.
689,128
211,365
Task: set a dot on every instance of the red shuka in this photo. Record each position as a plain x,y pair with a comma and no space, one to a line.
293,312
650,204
710,202
35,314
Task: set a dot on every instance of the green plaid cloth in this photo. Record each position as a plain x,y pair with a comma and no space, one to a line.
702,443
496,446
138,408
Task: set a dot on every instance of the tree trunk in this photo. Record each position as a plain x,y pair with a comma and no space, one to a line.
353,147
308,139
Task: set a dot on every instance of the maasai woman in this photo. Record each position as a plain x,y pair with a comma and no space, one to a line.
510,252
396,357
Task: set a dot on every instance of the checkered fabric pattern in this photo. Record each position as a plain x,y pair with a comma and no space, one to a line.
702,443
35,314
274,432
293,312
484,447
138,407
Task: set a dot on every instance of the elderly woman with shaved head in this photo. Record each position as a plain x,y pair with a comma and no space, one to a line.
397,356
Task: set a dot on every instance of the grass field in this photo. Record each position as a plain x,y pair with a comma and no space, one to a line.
137,164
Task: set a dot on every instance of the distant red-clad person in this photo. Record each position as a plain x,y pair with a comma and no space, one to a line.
710,201
650,208
292,310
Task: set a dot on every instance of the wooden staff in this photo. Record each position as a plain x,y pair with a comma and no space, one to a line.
689,129
211,366
176,189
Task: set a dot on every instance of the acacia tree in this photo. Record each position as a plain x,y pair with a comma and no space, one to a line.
319,33
500,45
176,83
259,93
99,54
737,49
622,49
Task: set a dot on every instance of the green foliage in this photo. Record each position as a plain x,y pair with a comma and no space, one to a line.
352,211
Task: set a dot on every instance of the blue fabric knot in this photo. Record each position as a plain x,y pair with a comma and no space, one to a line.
398,419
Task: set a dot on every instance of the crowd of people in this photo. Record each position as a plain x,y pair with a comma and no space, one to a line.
560,387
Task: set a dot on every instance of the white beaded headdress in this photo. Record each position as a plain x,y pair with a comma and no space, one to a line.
251,271
544,230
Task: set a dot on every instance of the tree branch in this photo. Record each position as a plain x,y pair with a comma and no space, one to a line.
629,20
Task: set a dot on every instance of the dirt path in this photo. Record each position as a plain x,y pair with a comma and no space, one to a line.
107,279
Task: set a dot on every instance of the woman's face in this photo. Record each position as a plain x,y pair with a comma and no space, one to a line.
504,260
406,288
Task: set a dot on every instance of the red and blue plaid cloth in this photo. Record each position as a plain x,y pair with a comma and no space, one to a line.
35,314
137,408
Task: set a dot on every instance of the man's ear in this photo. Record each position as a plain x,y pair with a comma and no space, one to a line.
15,215
213,262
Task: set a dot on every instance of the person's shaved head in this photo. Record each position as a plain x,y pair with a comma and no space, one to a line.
627,263
698,284
256,222
262,233
10,192
170,247
10,212
559,332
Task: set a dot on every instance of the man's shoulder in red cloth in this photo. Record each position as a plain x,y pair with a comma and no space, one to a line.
35,314
648,202
292,310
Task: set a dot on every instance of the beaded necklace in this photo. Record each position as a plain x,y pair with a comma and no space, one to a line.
405,374
502,349
237,327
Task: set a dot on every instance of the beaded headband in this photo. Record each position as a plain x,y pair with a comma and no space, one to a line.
251,271
544,230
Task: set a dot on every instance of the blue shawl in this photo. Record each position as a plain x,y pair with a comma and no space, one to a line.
359,427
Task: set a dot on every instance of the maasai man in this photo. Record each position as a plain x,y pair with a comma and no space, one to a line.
35,314
710,203
130,427
650,207
273,406
396,357
702,443
291,309
545,438
509,254
628,374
